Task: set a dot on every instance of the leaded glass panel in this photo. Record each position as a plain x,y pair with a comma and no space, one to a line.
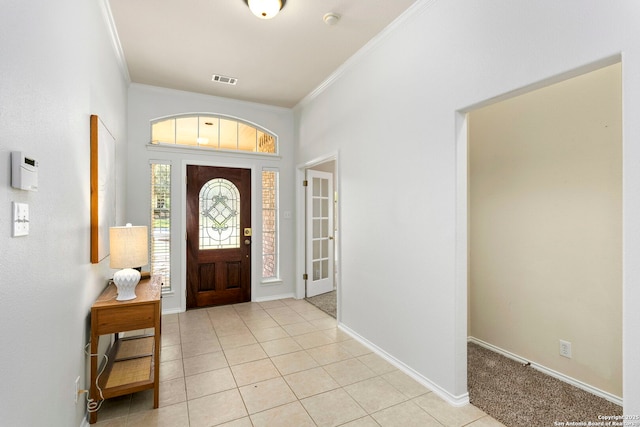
269,224
219,203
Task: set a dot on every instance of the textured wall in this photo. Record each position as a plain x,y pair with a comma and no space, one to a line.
58,67
392,113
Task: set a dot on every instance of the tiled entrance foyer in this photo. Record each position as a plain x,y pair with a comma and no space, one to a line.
277,363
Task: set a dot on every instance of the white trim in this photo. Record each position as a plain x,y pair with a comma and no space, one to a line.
546,82
211,98
159,161
457,401
186,149
319,160
175,310
555,374
300,237
461,287
275,297
115,40
413,10
271,282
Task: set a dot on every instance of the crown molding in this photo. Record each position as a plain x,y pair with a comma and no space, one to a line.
115,40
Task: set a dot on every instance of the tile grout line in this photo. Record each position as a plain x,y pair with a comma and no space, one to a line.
354,354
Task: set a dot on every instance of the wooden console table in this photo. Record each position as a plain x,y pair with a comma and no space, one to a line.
134,363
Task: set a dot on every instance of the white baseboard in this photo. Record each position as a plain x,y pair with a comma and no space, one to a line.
260,299
558,375
461,400
85,422
275,297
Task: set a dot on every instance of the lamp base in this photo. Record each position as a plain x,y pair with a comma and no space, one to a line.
126,281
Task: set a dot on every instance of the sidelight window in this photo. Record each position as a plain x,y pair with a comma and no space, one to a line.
269,224
160,238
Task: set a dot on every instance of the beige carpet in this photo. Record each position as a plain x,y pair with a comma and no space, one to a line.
518,395
325,302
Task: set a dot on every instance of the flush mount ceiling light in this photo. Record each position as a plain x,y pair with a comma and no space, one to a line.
265,9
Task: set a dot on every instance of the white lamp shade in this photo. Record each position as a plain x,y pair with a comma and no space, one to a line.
129,246
265,9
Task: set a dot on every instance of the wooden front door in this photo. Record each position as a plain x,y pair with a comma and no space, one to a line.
218,236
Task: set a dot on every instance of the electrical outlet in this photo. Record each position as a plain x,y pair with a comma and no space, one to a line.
77,389
565,349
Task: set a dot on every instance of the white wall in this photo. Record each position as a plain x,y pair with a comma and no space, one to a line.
545,226
392,114
147,103
58,67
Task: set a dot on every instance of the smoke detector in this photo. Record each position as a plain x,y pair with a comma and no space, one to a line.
331,18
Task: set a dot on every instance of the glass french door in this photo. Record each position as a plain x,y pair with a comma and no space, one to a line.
319,233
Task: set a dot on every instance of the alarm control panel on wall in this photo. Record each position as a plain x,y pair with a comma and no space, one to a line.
24,171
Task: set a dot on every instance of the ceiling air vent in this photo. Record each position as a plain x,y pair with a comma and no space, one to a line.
224,79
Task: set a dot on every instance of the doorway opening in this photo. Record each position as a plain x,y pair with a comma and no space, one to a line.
544,206
321,238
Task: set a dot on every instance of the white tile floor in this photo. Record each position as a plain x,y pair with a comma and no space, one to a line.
277,363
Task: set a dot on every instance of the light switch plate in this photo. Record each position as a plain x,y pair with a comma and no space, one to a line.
20,219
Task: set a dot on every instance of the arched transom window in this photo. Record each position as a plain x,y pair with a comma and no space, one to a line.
213,132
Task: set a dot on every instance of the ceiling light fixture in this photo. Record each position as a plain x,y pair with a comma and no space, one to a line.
265,9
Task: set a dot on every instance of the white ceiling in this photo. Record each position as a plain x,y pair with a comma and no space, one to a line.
180,44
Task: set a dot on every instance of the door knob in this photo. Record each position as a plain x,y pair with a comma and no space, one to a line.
247,241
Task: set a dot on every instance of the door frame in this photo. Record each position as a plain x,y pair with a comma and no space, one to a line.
256,225
301,171
462,254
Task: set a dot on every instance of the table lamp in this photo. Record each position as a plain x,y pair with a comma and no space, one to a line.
129,249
